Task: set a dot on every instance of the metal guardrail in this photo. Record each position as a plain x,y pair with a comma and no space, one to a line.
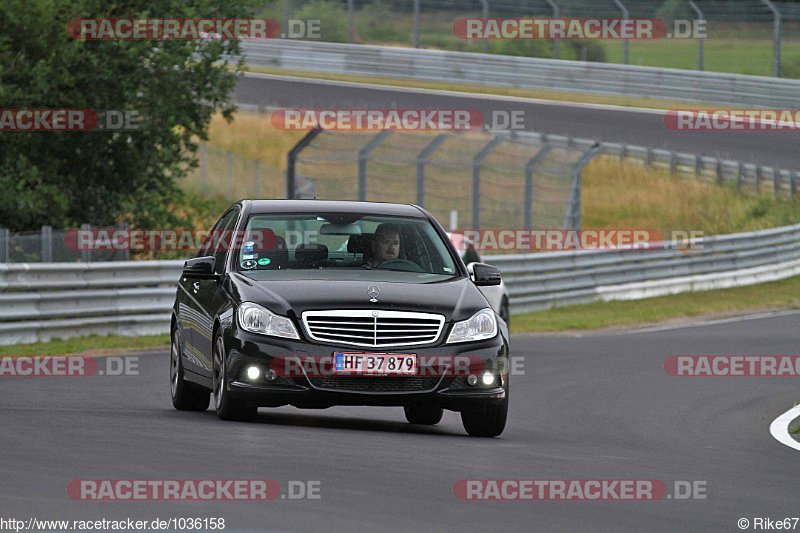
39,302
526,72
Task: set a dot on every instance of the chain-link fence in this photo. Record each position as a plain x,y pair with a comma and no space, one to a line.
51,246
492,180
740,35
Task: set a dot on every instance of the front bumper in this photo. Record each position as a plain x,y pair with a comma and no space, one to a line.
321,390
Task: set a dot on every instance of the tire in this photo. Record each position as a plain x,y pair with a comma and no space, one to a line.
424,415
504,314
185,396
227,408
489,422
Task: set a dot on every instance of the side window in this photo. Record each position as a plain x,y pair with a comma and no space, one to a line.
224,239
208,244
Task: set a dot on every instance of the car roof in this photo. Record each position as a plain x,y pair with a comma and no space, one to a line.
256,207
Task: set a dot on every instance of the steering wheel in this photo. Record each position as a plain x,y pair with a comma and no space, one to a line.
401,264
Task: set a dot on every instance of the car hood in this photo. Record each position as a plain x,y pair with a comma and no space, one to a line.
456,299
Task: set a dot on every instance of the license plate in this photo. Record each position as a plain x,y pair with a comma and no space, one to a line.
381,364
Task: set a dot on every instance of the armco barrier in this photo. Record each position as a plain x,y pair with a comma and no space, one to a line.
526,72
39,302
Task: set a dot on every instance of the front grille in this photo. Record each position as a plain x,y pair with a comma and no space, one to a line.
373,329
375,383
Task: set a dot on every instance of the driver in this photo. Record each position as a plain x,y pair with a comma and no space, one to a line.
385,244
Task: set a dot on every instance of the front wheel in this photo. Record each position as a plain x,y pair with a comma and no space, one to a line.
424,415
227,408
488,422
185,397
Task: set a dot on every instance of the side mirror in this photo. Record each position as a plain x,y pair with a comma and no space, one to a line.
200,268
485,275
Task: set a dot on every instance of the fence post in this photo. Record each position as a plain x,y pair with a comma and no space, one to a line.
258,179
363,155
126,253
572,219
485,14
230,175
351,29
86,255
556,42
47,244
719,171
422,157
415,36
740,178
476,179
532,162
792,183
203,166
4,244
700,36
776,53
291,161
625,15
285,33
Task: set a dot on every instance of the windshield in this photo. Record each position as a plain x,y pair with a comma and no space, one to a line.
286,242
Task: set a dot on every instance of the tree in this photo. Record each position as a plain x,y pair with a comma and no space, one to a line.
66,178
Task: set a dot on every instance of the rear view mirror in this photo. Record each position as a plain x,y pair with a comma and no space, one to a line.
485,275
200,268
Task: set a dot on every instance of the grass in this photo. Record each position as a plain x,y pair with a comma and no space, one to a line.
795,431
777,294
92,345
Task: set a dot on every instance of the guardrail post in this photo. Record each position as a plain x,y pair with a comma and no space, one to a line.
529,166
422,157
291,161
556,42
792,183
698,164
86,255
759,175
351,29
625,42
415,34
776,54
740,178
4,245
47,244
572,219
476,179
673,162
363,155
258,178
700,36
776,181
648,157
718,166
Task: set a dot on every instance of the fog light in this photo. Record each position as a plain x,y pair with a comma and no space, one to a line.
271,375
472,379
253,372
488,378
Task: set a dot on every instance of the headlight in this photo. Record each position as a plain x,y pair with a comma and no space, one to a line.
256,319
482,325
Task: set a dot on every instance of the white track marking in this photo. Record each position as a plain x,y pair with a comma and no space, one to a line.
780,428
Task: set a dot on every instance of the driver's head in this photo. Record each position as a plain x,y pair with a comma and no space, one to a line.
386,243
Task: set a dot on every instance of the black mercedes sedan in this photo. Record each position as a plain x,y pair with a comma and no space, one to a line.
320,303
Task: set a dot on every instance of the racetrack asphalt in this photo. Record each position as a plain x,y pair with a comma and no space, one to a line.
600,406
643,128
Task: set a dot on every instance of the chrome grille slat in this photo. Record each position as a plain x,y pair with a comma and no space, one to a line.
358,327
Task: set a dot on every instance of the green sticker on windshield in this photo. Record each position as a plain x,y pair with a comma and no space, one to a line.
263,262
